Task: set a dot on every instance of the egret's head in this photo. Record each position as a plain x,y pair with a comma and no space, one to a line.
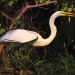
67,14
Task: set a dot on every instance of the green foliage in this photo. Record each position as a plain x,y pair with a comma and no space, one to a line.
17,24
18,58
63,66
67,6
43,1
2,30
9,2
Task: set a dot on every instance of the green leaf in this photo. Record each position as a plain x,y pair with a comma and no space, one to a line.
2,30
74,9
72,6
41,1
64,9
0,25
10,3
56,3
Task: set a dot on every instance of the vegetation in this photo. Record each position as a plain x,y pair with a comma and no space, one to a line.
58,58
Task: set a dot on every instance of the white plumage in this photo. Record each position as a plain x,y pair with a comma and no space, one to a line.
19,35
23,36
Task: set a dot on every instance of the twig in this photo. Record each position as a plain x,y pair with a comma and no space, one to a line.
32,6
25,8
6,16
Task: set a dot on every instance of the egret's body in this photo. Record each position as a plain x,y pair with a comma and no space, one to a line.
23,36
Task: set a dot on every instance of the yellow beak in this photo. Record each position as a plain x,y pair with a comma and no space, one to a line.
67,14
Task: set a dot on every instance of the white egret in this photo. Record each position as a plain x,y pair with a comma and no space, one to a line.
23,36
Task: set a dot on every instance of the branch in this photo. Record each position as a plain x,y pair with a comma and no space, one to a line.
32,6
25,8
6,16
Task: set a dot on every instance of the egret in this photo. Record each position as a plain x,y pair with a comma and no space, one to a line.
24,36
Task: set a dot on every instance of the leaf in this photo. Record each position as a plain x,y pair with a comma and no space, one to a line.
72,6
10,3
56,3
39,62
69,9
41,1
0,25
65,9
74,9
2,30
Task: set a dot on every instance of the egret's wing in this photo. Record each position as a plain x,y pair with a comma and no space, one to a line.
19,35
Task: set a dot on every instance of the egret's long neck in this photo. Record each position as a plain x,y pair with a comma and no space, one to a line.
52,28
44,42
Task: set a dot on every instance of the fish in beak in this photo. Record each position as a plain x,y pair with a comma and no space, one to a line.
69,14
